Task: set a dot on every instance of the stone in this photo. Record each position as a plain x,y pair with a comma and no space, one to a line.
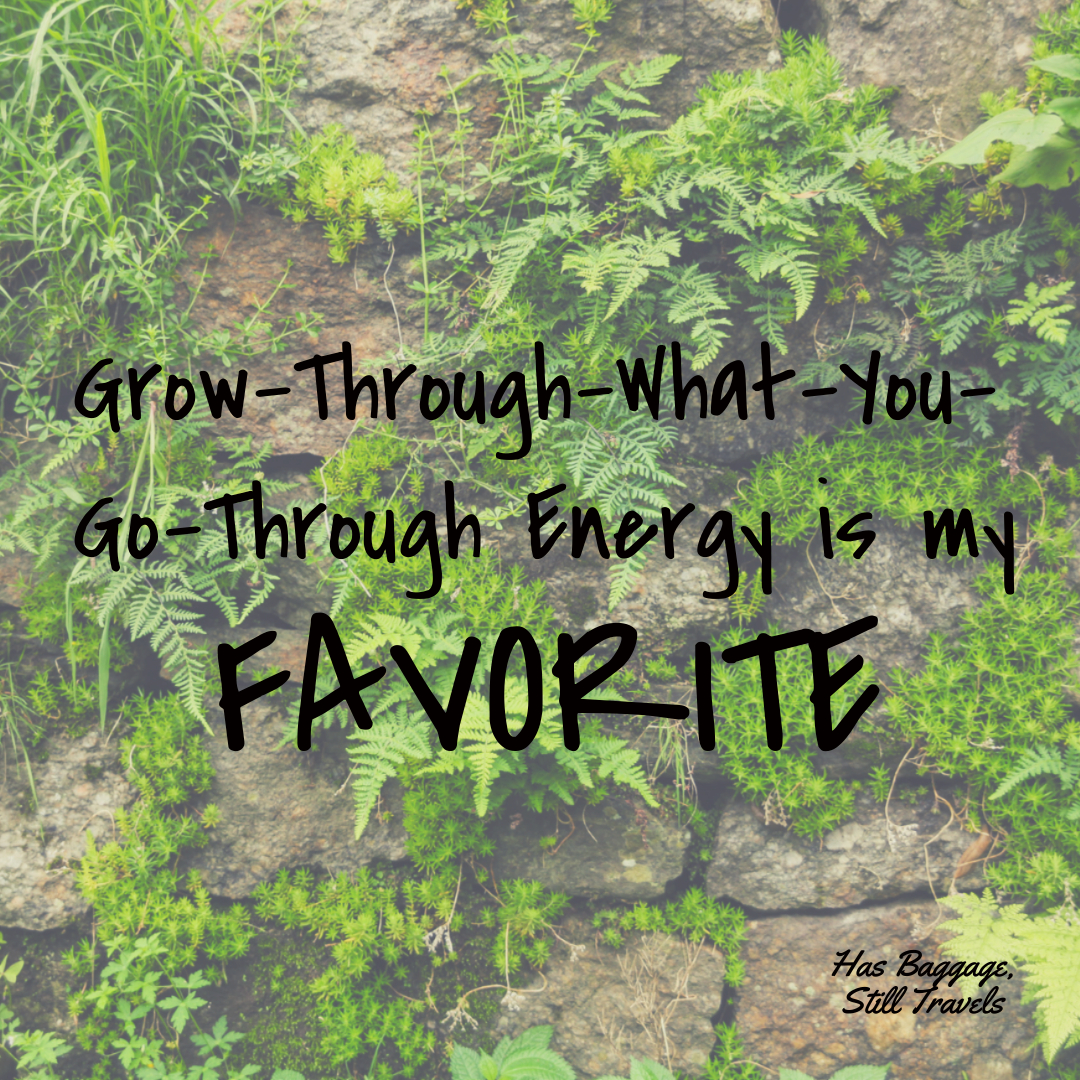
911,595
772,869
620,849
249,257
653,998
372,66
79,790
15,568
939,54
790,1007
282,808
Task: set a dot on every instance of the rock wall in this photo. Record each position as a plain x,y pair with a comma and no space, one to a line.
370,66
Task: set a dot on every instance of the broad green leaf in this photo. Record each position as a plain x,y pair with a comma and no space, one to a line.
1055,165
861,1072
1068,108
1063,64
489,1067
649,1070
536,1038
465,1064
1017,126
532,1064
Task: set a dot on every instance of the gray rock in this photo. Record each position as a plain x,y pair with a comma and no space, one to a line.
371,65
911,595
653,998
76,795
15,567
283,808
869,858
665,604
250,257
940,54
618,850
790,1007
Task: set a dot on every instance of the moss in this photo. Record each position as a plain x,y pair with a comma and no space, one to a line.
284,1012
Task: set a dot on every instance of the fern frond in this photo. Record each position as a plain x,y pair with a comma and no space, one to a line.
759,258
1048,949
517,245
637,256
377,752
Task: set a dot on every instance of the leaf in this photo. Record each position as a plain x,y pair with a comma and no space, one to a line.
532,1064
1054,165
861,1072
1047,947
649,1070
1035,311
1068,108
1063,64
793,1074
535,1038
1017,126
465,1064
649,72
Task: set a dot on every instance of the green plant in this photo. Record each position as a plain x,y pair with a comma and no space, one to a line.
980,701
990,297
34,1052
1046,761
343,188
9,972
17,724
371,926
544,770
1046,144
117,119
895,474
661,668
979,706
528,1058
790,784
129,1021
694,916
850,1072
1045,947
133,884
120,122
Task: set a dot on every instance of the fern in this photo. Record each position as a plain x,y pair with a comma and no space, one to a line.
634,258
649,72
613,463
759,258
516,247
1046,947
1038,312
478,752
1042,760
625,575
776,311
377,754
693,298
400,737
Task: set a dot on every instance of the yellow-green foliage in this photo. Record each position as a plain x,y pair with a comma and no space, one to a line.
895,474
344,188
1046,947
131,879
